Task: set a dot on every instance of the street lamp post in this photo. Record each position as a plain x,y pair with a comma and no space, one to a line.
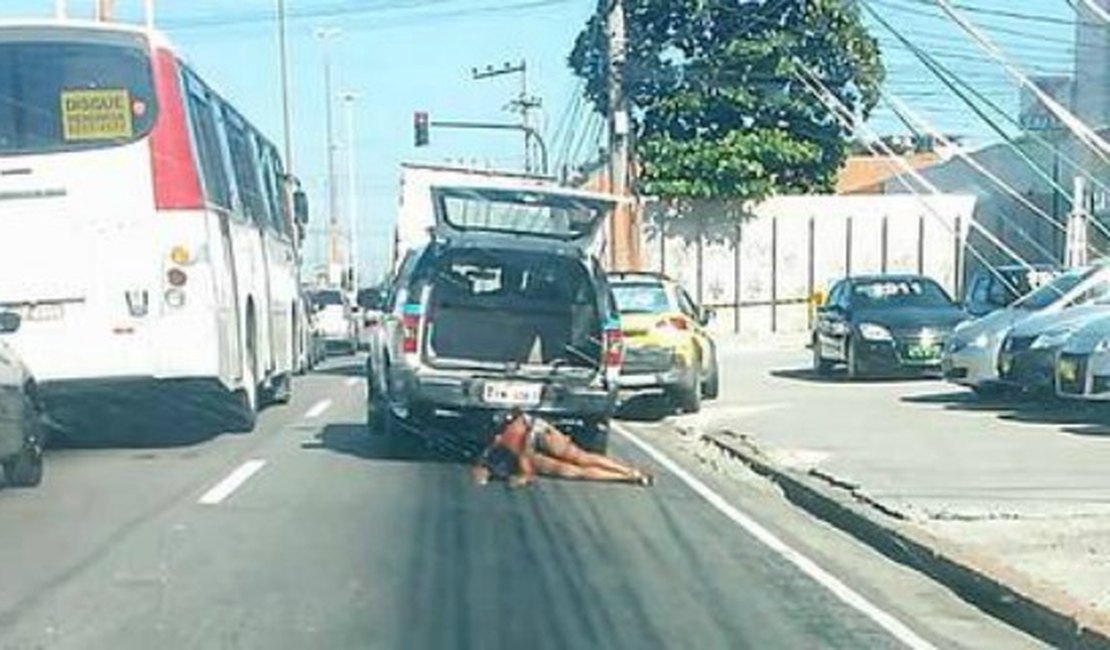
349,99
286,108
325,36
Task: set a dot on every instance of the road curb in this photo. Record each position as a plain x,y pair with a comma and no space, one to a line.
1038,610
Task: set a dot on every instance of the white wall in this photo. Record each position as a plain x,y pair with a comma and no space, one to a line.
771,262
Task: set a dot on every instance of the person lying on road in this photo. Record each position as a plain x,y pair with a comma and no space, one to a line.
526,447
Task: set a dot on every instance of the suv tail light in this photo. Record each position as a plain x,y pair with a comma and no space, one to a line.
614,345
674,322
411,316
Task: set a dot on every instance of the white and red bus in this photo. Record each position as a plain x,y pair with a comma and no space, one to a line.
148,236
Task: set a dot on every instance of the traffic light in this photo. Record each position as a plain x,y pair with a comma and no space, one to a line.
420,128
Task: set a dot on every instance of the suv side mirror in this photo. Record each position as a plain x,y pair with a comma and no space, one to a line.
707,315
9,322
300,207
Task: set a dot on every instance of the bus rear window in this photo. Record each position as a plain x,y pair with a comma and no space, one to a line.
64,95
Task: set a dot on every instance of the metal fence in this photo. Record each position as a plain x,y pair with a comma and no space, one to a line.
760,273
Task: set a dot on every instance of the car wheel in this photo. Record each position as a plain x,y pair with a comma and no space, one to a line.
689,397
25,469
854,369
594,437
822,367
282,390
712,386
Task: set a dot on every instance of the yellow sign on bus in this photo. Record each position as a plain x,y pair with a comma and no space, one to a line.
96,115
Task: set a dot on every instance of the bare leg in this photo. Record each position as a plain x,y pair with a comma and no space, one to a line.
563,448
549,466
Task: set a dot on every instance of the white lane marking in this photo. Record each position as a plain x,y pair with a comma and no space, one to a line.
353,380
843,592
231,482
318,408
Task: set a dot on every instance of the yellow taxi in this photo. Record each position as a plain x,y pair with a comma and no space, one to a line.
668,350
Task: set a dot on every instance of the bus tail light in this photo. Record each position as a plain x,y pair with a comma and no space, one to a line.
175,298
176,277
174,172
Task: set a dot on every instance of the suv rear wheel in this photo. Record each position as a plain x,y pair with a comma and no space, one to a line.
688,398
593,437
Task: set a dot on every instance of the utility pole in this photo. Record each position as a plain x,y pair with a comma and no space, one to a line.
352,187
325,36
625,247
60,12
523,104
286,108
104,10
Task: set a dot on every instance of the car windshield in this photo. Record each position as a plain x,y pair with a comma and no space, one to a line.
646,298
1051,292
327,298
895,293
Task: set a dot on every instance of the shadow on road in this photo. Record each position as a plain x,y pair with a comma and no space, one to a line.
349,367
648,408
356,440
841,377
965,400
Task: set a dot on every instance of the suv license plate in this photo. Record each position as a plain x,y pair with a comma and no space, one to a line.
501,392
923,352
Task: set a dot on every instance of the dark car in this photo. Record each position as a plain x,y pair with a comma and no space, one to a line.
506,307
997,288
883,325
22,428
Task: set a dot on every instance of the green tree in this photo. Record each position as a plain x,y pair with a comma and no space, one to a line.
717,108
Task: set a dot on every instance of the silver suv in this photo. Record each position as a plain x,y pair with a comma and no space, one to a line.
506,306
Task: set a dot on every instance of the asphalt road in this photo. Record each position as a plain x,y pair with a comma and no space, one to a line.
308,533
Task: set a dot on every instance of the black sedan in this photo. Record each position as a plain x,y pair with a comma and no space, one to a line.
884,325
22,427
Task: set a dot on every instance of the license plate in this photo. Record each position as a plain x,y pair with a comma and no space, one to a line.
510,393
1068,371
45,312
923,352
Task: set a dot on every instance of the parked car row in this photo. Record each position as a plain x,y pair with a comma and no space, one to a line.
1052,341
507,306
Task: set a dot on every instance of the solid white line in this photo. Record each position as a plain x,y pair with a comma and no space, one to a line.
318,408
353,380
843,592
224,488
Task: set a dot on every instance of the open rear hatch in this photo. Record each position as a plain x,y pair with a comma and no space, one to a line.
516,311
545,213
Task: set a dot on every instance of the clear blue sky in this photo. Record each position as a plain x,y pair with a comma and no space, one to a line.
406,55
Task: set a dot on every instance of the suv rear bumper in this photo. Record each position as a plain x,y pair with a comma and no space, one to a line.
558,401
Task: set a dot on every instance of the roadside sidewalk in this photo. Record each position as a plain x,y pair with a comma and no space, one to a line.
1007,504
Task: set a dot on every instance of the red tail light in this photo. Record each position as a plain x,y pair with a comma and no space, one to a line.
176,184
410,325
674,322
614,348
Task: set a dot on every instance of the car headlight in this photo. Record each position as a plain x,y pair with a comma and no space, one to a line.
873,332
1051,339
981,341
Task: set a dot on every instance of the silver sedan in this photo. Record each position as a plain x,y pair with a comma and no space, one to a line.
22,428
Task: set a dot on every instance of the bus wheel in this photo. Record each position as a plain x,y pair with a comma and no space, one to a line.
282,390
248,394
